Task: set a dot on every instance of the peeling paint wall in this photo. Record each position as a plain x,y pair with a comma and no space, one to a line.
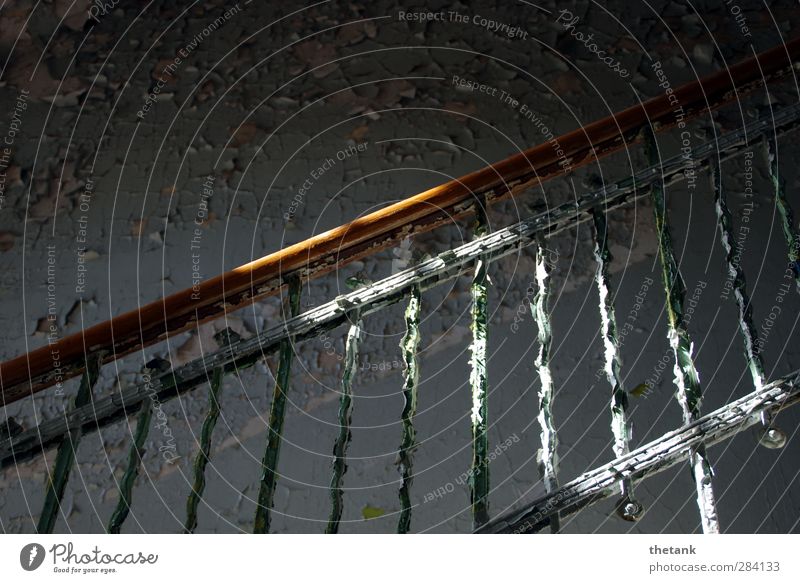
150,146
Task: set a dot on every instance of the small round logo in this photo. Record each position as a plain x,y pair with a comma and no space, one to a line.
31,556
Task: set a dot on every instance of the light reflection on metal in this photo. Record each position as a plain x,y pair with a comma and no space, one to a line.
687,381
345,413
628,508
547,456
479,312
409,346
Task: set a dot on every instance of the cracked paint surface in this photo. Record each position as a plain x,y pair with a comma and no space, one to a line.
228,144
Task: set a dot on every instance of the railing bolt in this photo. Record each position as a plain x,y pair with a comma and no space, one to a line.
9,428
630,510
158,365
226,337
772,437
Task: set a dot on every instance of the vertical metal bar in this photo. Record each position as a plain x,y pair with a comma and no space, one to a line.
201,460
134,461
135,454
409,346
547,456
65,456
479,472
785,210
345,414
689,391
628,507
736,273
771,437
224,337
277,414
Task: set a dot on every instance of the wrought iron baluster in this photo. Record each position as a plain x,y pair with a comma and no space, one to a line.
547,456
479,472
771,437
135,454
345,414
785,210
65,456
226,337
277,414
427,274
627,507
203,455
689,391
409,346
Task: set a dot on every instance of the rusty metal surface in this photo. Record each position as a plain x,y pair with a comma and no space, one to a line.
32,372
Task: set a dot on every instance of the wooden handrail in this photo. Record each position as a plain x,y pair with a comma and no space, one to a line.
152,323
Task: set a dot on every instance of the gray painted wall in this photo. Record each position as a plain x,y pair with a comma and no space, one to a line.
260,103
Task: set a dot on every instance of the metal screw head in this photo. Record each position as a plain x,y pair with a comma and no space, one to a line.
772,438
630,510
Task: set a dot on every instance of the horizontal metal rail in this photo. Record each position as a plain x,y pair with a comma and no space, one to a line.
376,296
152,323
658,455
